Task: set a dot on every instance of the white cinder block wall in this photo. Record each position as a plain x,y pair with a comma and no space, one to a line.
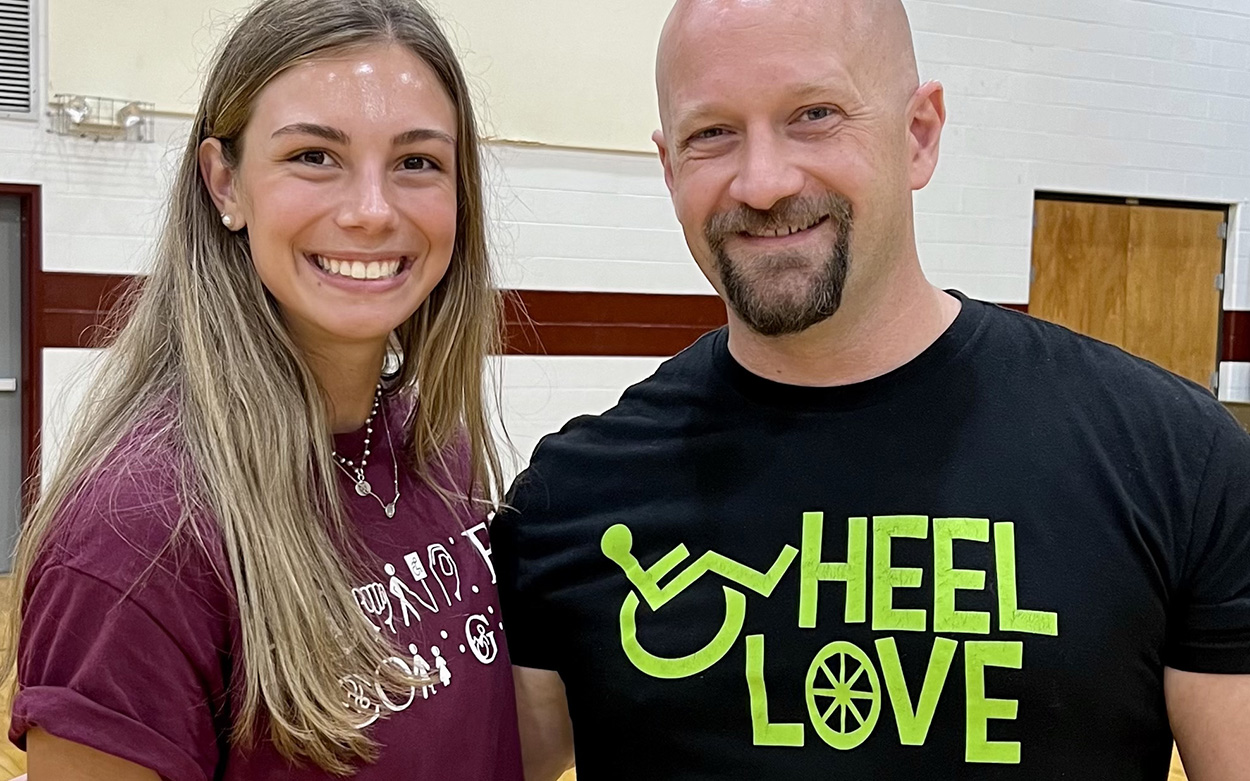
1136,98
1140,98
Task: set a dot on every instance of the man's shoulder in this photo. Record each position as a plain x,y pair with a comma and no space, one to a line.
654,402
1093,376
645,413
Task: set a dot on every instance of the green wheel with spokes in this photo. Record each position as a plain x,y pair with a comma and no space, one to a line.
841,684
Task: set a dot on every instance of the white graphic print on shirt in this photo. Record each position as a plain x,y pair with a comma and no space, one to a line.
397,607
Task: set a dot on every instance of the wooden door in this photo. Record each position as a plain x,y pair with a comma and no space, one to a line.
1140,277
1080,267
1174,257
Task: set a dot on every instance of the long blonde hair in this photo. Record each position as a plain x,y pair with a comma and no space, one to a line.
249,416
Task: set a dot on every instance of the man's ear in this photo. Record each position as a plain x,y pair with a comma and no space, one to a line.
926,114
665,160
218,178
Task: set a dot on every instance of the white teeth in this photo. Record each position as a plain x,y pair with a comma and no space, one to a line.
357,269
787,231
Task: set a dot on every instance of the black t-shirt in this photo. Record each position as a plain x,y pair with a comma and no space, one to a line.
976,566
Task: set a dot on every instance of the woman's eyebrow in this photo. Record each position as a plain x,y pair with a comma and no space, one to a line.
423,134
338,136
312,129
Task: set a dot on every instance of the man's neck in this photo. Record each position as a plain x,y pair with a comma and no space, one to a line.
869,336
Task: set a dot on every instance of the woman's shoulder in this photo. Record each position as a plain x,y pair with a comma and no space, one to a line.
129,626
133,515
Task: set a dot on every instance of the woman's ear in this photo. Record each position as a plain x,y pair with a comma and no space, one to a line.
219,179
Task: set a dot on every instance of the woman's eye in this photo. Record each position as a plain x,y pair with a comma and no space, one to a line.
312,157
419,164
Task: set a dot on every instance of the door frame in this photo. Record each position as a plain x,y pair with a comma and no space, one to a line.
30,199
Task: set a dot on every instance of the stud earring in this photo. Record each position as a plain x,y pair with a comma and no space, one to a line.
227,220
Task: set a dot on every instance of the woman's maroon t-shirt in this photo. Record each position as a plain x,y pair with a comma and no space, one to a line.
145,672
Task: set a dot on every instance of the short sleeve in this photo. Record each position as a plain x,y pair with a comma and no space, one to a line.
520,566
1210,630
98,669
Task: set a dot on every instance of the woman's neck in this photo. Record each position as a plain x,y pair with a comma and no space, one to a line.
349,376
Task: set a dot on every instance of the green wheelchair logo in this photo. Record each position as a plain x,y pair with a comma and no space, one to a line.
617,545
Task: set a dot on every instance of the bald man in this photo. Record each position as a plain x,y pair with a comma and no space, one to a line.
871,529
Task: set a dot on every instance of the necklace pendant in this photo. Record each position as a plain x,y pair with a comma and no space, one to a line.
363,488
390,510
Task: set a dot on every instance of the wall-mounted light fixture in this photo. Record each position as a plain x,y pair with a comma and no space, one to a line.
102,119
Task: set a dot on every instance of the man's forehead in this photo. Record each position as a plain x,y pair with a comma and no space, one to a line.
692,14
868,40
696,22
785,42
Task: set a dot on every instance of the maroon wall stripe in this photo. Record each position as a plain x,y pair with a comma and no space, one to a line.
69,310
636,309
75,307
603,340
1236,336
545,322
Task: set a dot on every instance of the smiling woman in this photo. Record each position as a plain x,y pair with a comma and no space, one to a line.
264,551
351,208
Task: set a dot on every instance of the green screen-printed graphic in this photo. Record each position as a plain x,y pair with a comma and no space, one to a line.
853,572
913,726
835,705
947,579
617,544
886,578
843,686
669,668
1010,617
980,708
763,731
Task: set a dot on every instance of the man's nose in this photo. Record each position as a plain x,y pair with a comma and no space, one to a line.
765,174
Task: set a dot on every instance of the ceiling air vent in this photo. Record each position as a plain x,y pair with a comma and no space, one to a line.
16,56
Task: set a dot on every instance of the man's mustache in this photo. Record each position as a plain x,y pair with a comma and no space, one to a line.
787,214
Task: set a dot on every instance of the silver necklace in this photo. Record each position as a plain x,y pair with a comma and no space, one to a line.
357,473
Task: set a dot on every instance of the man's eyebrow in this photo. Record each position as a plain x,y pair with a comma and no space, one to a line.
423,134
836,88
813,90
694,116
312,129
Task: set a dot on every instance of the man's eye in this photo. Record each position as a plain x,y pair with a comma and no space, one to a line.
711,132
818,113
